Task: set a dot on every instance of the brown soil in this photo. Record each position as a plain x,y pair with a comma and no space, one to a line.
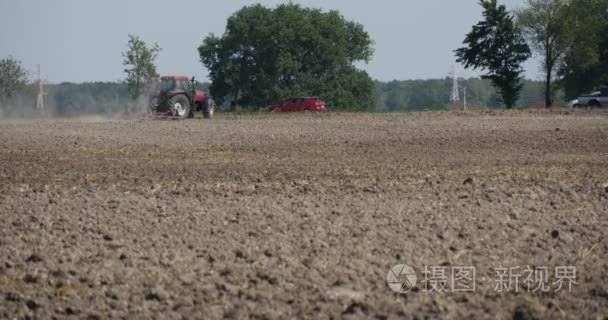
300,216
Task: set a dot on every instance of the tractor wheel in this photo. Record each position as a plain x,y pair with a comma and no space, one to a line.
209,109
180,105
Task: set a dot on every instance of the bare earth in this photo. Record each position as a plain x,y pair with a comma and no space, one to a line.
302,216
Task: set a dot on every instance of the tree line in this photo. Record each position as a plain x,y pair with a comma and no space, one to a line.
406,95
434,94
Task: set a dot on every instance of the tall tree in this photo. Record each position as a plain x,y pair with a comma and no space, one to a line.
496,45
267,54
546,26
584,66
139,65
13,79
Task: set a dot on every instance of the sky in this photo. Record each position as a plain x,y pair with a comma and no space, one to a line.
83,40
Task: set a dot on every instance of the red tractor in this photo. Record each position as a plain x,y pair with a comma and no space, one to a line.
178,98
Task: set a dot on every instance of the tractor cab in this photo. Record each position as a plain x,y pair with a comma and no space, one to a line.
168,84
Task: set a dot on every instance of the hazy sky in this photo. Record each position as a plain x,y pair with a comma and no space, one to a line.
82,40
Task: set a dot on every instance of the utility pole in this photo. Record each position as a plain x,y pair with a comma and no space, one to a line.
455,95
41,93
464,92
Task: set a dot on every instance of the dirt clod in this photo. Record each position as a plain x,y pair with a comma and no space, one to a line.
66,292
13,296
32,304
157,293
34,258
30,278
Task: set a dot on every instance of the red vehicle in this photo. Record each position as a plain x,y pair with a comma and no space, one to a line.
178,97
298,104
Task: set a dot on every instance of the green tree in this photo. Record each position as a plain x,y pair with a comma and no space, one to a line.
268,54
496,45
585,65
13,79
545,26
139,65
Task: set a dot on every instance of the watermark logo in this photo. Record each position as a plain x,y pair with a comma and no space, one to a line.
402,278
451,279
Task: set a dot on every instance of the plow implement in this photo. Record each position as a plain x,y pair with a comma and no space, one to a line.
169,115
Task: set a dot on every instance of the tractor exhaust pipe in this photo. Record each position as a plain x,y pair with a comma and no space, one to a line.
193,95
